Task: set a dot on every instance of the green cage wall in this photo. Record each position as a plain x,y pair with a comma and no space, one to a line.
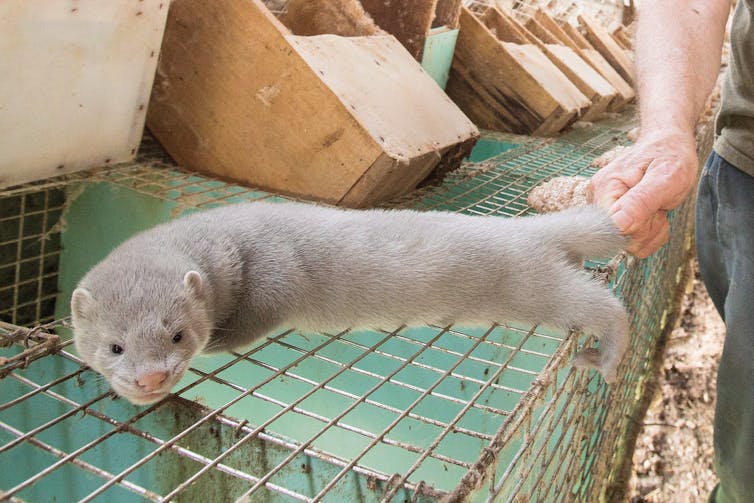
420,414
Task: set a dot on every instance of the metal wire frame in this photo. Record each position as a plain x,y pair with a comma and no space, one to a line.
606,12
37,342
29,249
534,419
216,463
478,190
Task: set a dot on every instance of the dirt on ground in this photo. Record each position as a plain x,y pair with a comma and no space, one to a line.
673,461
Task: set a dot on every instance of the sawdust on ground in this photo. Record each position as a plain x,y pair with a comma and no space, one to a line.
673,461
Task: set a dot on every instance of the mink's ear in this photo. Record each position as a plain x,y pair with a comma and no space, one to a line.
81,304
194,283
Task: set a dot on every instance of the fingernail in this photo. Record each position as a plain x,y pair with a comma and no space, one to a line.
622,220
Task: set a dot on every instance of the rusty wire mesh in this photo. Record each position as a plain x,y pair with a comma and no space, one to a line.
608,12
404,414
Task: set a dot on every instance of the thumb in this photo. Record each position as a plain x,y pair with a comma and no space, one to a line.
607,193
637,206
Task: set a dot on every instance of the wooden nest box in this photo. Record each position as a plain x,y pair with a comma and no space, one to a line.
345,120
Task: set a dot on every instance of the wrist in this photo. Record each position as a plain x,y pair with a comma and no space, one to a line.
667,132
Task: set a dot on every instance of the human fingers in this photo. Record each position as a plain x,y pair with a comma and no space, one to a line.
606,193
611,182
651,237
656,190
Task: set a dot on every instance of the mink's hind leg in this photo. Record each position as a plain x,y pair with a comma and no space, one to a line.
614,340
587,305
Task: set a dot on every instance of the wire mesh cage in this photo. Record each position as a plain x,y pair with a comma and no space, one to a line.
609,13
404,414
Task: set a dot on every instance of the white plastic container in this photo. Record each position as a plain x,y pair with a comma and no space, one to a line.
75,80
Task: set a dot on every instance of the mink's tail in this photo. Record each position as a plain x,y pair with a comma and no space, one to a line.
586,232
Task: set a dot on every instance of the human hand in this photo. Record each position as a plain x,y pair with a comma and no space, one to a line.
643,183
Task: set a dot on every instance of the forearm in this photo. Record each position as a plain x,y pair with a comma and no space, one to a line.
678,48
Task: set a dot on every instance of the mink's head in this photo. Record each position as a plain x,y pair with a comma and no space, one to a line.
139,327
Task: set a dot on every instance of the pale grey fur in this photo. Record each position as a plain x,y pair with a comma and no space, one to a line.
263,266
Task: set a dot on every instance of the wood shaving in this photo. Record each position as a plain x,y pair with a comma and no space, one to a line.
582,125
559,193
608,157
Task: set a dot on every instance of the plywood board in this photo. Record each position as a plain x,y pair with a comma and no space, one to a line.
547,22
74,83
625,92
541,32
408,20
598,62
505,28
507,86
447,13
586,78
438,53
601,40
342,120
574,35
337,17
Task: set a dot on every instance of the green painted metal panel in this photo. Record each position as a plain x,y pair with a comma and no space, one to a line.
487,148
439,47
359,383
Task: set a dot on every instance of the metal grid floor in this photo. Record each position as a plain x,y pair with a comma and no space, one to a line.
335,400
404,414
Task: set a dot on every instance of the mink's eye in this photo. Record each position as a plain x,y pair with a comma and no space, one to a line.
116,349
177,337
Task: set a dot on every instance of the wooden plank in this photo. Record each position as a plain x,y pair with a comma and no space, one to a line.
509,87
341,120
408,20
520,27
447,13
610,50
541,32
397,102
577,37
623,38
599,63
338,17
618,41
625,91
549,23
76,87
503,27
586,78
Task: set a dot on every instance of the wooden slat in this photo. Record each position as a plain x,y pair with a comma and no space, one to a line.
343,120
504,27
606,45
541,32
507,86
337,17
547,22
577,37
579,72
586,78
599,63
408,20
623,38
